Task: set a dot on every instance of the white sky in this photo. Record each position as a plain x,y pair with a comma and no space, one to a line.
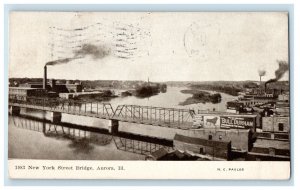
169,46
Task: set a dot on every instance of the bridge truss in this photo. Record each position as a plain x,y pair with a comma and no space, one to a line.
168,117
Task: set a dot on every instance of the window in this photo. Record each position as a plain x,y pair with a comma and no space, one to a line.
280,126
209,137
201,151
271,151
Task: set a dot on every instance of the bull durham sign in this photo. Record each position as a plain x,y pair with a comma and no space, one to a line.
236,122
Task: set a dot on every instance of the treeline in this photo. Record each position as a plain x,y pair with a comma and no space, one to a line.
231,90
201,97
147,90
110,84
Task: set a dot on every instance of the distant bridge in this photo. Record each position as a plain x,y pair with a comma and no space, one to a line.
157,116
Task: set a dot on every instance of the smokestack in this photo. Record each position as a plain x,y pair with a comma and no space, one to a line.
45,78
283,67
260,80
261,73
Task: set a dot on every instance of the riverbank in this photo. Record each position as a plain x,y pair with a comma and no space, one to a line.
106,95
199,96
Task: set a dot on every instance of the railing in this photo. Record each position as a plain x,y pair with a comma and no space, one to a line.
167,117
62,105
155,115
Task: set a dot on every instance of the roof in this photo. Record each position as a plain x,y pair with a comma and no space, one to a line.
23,88
159,153
70,84
227,114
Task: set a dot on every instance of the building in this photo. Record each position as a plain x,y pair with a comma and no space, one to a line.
174,155
250,100
241,140
284,97
23,92
276,124
282,108
235,107
80,94
34,85
55,87
217,149
270,146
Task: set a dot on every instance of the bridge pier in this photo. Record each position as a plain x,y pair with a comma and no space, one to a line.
55,117
15,110
114,126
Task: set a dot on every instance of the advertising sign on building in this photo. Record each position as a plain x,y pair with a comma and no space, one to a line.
207,121
198,121
237,122
211,121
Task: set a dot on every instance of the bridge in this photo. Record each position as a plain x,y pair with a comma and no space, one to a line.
148,115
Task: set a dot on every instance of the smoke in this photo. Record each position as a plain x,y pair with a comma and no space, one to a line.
261,73
97,52
283,67
60,61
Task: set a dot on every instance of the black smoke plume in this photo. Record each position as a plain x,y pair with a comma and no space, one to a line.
60,61
97,52
283,67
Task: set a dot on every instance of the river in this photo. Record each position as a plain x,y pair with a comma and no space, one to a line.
31,136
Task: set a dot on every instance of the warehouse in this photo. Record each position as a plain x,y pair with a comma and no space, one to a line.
18,92
276,124
215,148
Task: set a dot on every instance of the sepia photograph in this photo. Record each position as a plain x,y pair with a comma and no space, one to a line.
192,87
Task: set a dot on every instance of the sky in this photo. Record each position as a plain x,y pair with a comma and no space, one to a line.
195,46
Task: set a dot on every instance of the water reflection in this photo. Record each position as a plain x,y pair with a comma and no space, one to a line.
84,139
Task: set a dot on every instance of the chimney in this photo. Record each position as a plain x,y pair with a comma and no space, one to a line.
53,83
266,87
260,80
45,78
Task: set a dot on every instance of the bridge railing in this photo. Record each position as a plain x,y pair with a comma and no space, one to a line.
65,105
170,117
155,115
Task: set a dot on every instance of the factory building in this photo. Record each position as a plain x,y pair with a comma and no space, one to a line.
55,87
241,140
276,124
282,108
52,87
235,128
18,92
258,97
250,101
284,97
270,147
34,85
217,149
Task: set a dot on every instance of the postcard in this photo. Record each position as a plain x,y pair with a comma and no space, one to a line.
149,95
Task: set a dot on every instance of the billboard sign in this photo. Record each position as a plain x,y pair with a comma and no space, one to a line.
237,122
211,121
198,121
207,121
